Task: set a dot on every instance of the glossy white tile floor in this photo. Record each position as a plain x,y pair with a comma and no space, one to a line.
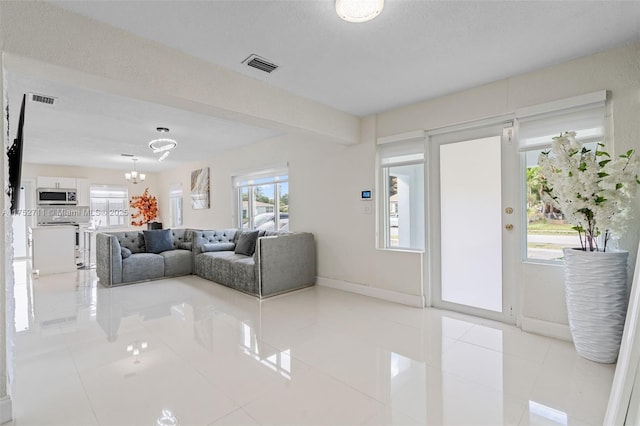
207,355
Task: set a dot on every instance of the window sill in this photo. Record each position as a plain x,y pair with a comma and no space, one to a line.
401,249
543,262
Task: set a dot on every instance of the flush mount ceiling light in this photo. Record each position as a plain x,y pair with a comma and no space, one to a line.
359,10
164,145
133,176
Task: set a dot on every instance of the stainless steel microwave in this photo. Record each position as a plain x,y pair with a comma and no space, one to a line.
57,197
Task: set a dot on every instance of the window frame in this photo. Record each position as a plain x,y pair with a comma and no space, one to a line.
249,181
406,149
593,104
176,196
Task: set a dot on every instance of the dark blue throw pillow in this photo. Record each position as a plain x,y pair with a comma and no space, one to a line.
158,241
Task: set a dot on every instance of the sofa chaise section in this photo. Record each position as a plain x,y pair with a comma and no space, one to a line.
281,262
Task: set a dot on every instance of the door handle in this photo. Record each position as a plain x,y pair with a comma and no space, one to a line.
508,227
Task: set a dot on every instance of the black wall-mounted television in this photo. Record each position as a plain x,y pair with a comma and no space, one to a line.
14,156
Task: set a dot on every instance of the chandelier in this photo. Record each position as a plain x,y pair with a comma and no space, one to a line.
133,176
359,10
162,145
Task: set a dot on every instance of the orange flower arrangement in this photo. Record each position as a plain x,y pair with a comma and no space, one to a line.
147,206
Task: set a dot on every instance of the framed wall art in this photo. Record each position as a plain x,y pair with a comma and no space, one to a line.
200,189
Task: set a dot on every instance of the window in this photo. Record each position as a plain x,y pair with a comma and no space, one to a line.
401,189
262,199
547,233
109,205
175,204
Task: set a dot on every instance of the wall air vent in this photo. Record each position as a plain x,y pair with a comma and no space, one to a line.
42,99
262,64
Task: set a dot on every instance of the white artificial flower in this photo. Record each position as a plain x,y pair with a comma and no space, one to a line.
593,190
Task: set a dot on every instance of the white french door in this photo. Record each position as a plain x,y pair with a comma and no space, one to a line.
475,220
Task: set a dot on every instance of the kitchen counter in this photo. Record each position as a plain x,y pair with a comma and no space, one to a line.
54,248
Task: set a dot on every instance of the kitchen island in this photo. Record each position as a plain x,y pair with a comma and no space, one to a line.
54,248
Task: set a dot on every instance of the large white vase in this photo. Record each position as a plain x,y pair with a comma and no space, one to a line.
596,287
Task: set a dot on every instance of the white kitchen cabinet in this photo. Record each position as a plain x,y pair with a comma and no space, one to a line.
82,191
56,182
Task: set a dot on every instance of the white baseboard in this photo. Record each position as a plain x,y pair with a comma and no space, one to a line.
547,328
378,293
5,410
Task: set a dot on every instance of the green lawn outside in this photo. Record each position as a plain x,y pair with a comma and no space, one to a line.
550,228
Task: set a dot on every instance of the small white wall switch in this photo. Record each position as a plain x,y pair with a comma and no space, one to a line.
367,208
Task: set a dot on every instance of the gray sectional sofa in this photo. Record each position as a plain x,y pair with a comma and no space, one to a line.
261,263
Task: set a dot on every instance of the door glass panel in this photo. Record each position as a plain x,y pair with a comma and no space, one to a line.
471,225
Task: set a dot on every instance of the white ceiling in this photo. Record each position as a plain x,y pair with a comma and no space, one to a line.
415,50
89,128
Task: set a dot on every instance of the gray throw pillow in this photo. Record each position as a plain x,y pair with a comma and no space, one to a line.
218,247
125,252
158,240
185,245
247,243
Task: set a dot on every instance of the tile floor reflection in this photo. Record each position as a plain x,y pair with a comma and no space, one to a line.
187,351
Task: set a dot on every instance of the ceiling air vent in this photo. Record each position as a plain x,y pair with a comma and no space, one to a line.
262,64
42,99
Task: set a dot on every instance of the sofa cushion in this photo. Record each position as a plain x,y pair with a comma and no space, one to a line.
218,247
125,252
243,274
228,268
142,266
247,243
177,262
213,265
158,240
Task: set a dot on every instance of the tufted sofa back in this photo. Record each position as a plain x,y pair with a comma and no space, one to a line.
213,236
181,235
133,240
